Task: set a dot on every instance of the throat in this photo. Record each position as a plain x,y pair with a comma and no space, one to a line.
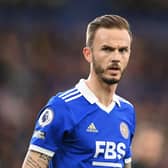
103,92
105,101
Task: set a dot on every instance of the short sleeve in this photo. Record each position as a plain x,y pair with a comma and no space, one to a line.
49,129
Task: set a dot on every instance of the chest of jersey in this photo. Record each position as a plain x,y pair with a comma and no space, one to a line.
100,135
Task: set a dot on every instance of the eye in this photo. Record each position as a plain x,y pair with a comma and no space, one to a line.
123,49
108,49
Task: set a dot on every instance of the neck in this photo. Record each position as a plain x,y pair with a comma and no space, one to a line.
104,92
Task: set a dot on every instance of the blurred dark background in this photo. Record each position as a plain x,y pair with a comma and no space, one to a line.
41,53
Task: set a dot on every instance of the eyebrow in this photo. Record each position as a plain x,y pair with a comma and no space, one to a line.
113,48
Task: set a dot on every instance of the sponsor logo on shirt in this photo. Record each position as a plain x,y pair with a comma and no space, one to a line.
92,128
39,134
110,151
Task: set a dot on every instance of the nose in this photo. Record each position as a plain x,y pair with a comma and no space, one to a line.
115,56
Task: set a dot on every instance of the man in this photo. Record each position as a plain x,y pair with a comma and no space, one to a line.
89,125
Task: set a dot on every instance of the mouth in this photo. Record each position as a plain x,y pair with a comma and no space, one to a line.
114,68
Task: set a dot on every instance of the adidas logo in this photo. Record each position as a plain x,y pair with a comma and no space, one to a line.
92,128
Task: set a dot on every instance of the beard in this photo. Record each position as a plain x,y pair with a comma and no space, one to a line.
100,73
110,81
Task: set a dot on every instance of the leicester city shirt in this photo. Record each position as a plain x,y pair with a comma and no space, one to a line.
77,131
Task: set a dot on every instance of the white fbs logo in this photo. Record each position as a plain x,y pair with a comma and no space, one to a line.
111,150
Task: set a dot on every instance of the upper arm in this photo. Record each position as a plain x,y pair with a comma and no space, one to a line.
35,159
128,165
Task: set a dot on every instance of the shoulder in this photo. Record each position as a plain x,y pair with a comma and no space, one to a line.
62,98
68,106
57,110
69,95
68,102
124,102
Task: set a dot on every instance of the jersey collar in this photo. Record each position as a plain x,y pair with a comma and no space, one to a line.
89,95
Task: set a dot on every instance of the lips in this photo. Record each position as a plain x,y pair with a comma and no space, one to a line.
114,67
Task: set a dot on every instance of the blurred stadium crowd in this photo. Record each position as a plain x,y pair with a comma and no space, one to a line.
41,53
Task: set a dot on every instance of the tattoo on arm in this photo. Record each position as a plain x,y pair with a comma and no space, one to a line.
36,160
32,163
44,159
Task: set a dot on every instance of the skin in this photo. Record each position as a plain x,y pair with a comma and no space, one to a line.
36,160
128,165
111,49
108,58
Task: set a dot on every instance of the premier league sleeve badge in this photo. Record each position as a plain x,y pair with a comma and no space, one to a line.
46,117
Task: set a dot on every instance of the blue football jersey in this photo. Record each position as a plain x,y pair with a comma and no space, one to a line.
77,131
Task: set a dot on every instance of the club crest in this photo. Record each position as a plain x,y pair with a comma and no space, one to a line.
124,130
46,117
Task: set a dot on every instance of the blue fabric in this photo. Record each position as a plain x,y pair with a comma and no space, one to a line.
82,135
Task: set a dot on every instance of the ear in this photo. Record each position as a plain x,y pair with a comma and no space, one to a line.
87,54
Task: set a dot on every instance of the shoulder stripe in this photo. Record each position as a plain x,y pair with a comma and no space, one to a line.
67,92
70,94
124,100
74,97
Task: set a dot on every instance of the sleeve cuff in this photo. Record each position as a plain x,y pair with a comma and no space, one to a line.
41,150
128,160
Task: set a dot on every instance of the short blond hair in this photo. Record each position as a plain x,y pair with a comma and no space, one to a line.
105,21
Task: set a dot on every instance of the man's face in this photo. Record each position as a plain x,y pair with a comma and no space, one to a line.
110,54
